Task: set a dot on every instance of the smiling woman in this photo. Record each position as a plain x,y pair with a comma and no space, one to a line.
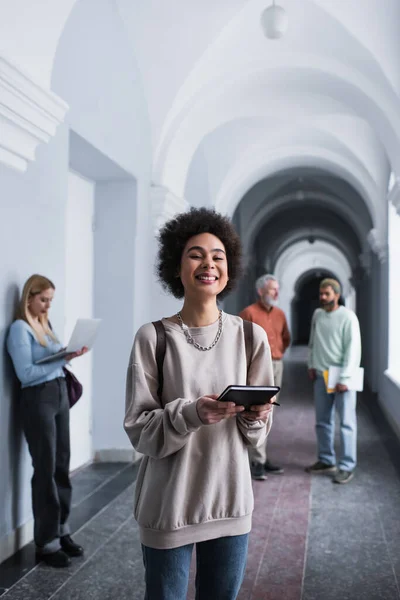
174,238
202,471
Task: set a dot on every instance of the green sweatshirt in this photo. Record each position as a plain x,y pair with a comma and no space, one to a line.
335,341
194,480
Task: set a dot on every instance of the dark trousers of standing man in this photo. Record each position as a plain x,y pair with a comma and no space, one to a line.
259,455
45,419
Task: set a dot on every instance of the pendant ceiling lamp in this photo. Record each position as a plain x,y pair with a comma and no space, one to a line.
274,21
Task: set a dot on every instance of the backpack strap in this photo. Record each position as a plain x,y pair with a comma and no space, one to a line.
248,342
161,347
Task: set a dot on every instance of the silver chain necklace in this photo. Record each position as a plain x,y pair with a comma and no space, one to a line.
190,339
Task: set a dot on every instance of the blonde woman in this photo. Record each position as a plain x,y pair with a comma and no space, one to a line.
45,420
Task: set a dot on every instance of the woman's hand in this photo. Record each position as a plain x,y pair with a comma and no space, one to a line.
211,411
72,355
259,412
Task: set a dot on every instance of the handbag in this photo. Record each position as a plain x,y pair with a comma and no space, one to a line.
74,387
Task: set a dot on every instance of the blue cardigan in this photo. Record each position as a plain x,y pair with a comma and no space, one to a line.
25,350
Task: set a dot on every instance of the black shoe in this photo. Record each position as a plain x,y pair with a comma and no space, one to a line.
320,467
270,468
58,559
70,547
257,471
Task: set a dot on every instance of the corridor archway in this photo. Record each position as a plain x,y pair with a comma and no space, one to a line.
304,303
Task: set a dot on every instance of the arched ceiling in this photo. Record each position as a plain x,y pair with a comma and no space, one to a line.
293,204
306,221
305,101
303,219
312,274
326,94
301,258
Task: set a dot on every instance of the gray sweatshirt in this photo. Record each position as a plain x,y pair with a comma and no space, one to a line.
194,480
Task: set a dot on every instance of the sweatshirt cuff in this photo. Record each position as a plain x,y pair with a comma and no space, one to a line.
191,416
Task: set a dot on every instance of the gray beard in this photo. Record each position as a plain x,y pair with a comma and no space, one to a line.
270,302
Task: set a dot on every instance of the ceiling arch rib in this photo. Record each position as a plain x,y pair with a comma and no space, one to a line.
361,224
316,234
209,109
350,137
247,173
312,274
301,257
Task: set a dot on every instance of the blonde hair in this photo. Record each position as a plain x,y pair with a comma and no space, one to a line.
33,286
328,282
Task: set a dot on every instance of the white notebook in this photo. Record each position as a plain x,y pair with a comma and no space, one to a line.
84,334
356,382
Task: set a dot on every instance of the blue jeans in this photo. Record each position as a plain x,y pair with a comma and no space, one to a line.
220,566
325,425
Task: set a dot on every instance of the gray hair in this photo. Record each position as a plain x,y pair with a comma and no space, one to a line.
261,281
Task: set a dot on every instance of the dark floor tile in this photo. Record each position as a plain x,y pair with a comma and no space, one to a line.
115,572
105,494
106,521
39,584
345,526
334,570
276,592
18,565
88,479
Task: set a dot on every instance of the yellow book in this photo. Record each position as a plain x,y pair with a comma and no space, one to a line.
326,377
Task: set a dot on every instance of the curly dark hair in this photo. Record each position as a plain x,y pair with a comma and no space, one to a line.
172,240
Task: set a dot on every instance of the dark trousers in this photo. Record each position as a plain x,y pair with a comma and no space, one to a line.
220,569
45,419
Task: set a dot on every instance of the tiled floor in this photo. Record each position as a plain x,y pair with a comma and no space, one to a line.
311,539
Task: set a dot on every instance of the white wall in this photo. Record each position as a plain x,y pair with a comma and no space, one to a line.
197,191
95,72
32,209
93,60
79,280
394,293
114,302
389,382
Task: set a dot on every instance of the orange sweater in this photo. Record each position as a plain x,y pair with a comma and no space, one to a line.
274,323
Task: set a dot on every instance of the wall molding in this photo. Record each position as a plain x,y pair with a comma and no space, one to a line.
117,455
29,115
164,205
15,540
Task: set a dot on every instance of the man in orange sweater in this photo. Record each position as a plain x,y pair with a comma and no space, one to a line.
266,313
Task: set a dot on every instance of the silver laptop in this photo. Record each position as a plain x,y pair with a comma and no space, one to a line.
84,334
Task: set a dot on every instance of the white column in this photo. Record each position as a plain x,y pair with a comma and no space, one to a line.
165,205
378,244
394,280
394,194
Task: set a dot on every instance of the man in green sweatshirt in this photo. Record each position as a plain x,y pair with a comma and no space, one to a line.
334,341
